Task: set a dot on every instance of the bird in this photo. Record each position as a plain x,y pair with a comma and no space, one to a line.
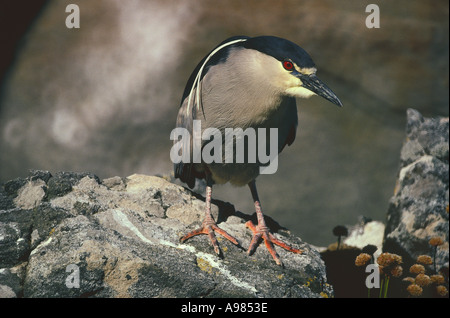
247,83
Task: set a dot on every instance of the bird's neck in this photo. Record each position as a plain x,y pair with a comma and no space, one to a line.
230,101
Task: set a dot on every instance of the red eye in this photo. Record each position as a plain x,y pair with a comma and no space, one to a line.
288,65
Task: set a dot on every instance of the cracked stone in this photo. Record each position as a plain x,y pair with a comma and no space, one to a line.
122,234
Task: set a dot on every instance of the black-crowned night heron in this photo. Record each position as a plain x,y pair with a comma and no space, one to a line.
244,83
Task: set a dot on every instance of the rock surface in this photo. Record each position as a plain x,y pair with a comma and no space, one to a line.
366,232
73,235
418,210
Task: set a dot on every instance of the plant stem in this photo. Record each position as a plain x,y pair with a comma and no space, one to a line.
381,288
386,286
434,259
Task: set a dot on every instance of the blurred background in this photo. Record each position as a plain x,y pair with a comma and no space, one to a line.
104,98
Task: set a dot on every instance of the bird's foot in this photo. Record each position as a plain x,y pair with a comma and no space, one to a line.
210,227
269,239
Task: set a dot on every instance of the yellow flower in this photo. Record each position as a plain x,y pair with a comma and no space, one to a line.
362,259
387,259
437,279
423,280
424,259
436,241
442,290
417,269
414,290
409,279
397,271
397,258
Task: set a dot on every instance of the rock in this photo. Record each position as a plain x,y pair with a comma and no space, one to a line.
418,210
366,232
73,235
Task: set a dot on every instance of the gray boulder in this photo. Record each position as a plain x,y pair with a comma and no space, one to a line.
418,210
72,235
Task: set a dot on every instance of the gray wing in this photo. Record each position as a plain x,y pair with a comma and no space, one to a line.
185,170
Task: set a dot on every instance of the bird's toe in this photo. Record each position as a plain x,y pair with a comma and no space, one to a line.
269,241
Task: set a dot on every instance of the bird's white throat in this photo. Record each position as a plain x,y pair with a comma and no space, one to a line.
300,92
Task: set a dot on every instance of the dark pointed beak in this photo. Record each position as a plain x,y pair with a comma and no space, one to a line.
314,84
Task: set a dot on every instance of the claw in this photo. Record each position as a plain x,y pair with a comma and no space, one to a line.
269,239
209,229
